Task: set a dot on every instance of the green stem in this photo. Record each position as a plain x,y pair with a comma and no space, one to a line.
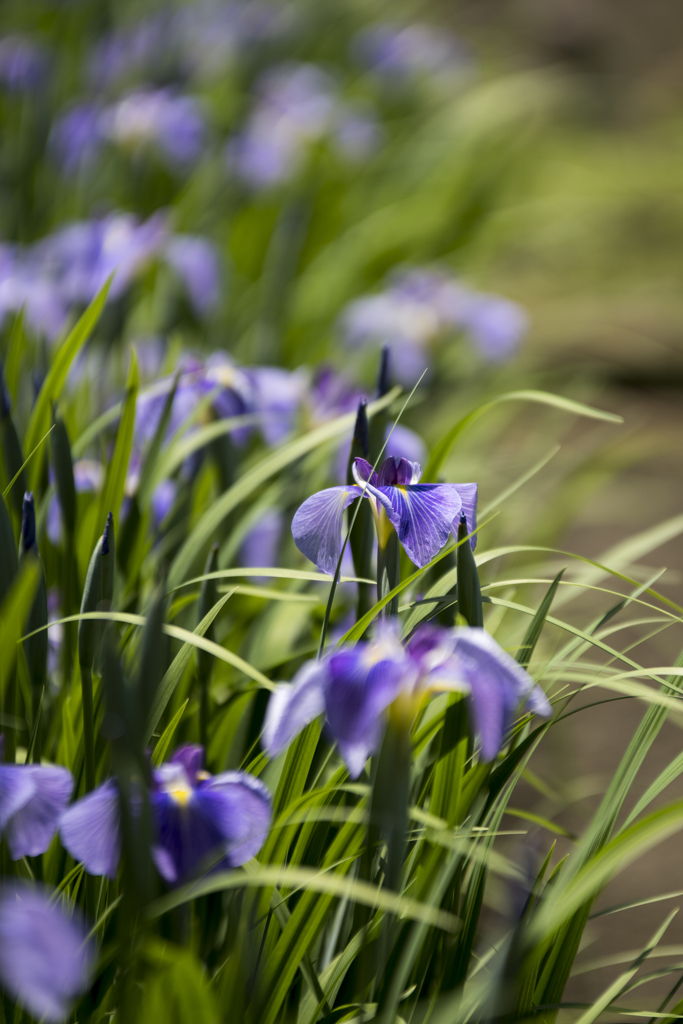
88,728
388,572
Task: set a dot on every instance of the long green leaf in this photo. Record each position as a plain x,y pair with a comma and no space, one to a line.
54,381
112,492
445,445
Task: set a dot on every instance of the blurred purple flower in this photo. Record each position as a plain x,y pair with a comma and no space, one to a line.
89,830
495,324
55,634
357,134
32,799
357,687
261,544
418,307
76,137
398,52
130,52
174,123
46,959
23,64
276,397
201,816
196,815
403,443
196,262
297,105
422,515
88,478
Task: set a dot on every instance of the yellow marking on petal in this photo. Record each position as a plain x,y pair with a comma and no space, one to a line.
203,776
384,528
181,795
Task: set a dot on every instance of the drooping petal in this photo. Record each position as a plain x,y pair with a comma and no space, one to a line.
363,473
45,960
17,786
293,706
468,495
191,757
357,692
499,685
240,807
30,830
398,472
89,830
422,516
317,525
538,704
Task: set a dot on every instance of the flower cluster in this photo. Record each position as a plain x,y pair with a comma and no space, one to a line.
420,306
356,688
200,820
161,119
67,268
297,105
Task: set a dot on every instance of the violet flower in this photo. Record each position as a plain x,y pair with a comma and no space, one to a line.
158,117
421,306
200,820
196,262
76,137
358,687
23,64
46,960
422,515
32,800
88,479
401,52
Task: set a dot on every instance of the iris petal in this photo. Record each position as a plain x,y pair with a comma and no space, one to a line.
468,495
499,685
356,695
317,525
398,472
422,516
30,830
45,961
89,831
292,707
186,839
17,786
240,808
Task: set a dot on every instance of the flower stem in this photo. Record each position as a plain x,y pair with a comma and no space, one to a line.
388,572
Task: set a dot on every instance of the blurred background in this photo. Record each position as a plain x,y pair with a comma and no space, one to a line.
493,188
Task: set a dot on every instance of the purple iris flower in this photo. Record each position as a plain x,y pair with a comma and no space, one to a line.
200,817
201,820
88,479
358,687
195,260
23,64
422,515
32,800
46,960
399,52
421,306
174,123
261,544
76,137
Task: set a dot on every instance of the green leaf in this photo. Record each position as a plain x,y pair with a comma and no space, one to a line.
14,613
112,492
164,740
533,633
562,901
206,528
445,445
54,381
25,464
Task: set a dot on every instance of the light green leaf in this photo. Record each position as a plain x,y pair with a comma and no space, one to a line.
54,381
164,741
443,448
